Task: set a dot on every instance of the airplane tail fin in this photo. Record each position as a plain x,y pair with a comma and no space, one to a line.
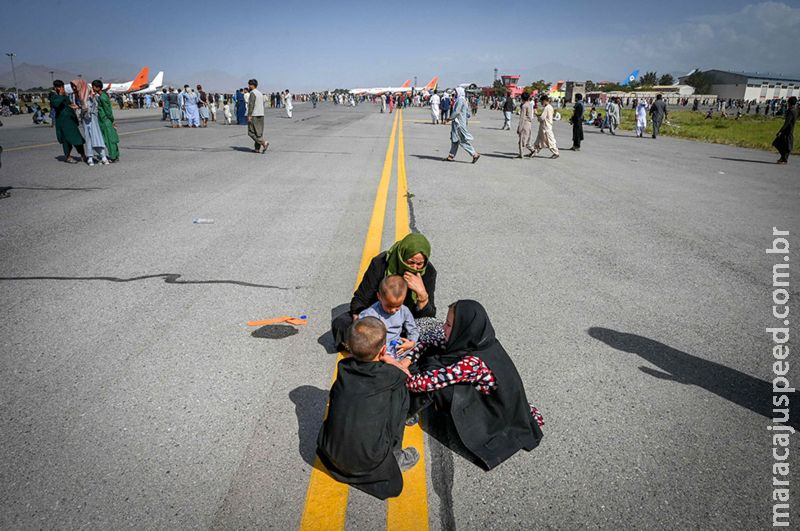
432,85
406,84
631,78
140,81
158,80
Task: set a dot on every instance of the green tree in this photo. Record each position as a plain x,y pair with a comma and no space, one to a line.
666,79
540,86
616,87
699,80
500,90
590,86
649,79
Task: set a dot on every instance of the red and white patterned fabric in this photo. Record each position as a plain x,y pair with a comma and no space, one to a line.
469,369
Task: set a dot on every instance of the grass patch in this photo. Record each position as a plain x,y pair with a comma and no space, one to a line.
748,131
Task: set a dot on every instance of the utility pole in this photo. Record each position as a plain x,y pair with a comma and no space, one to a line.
495,74
51,76
14,73
415,81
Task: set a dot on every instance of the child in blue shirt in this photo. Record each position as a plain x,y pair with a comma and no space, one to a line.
395,316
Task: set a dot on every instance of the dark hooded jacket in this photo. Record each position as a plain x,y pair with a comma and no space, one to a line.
495,426
366,415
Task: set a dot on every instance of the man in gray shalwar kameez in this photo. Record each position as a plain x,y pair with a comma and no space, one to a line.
658,111
459,134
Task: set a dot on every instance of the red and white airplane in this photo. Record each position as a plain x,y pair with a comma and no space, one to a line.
377,91
154,86
137,83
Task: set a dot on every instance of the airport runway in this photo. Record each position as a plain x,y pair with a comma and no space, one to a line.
628,282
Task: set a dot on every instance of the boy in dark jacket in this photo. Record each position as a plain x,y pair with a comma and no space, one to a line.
360,441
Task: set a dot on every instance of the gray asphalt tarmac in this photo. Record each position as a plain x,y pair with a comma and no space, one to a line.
629,283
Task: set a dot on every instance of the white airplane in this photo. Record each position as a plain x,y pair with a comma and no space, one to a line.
377,91
139,82
154,86
373,90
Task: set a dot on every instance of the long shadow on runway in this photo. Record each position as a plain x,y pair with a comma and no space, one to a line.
745,160
440,159
740,388
500,155
52,188
169,278
179,148
309,403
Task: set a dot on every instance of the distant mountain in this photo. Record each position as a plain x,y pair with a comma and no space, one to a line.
109,70
213,80
29,76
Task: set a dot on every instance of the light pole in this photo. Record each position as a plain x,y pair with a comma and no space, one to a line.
51,76
13,72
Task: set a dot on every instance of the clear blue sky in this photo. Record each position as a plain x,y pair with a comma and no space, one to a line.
317,45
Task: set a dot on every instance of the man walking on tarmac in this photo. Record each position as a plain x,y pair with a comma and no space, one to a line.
255,117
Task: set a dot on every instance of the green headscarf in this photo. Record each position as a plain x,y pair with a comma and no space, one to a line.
404,249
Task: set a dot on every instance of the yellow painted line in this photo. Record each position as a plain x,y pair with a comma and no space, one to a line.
401,227
326,499
409,511
57,144
430,122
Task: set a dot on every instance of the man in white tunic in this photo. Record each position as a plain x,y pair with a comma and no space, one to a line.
545,137
641,117
435,107
289,105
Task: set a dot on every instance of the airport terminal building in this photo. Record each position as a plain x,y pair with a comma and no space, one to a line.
750,86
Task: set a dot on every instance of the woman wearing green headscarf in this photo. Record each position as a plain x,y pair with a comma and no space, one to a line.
408,257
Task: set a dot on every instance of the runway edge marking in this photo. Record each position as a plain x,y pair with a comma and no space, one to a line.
409,511
326,499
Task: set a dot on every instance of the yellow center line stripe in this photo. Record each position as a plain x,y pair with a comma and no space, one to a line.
326,499
409,511
20,148
430,122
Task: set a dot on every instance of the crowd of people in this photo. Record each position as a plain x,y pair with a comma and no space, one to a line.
194,107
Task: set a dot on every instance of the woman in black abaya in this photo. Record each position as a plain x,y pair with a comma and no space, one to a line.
472,378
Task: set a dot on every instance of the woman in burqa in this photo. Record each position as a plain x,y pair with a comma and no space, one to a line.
473,380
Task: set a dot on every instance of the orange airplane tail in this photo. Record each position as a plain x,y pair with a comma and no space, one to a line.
406,84
432,84
140,81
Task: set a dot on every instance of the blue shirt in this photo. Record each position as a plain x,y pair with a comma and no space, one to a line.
394,323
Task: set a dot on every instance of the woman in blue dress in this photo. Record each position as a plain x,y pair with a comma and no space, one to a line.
87,100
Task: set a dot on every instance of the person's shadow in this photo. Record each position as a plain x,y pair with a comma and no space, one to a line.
677,366
310,403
